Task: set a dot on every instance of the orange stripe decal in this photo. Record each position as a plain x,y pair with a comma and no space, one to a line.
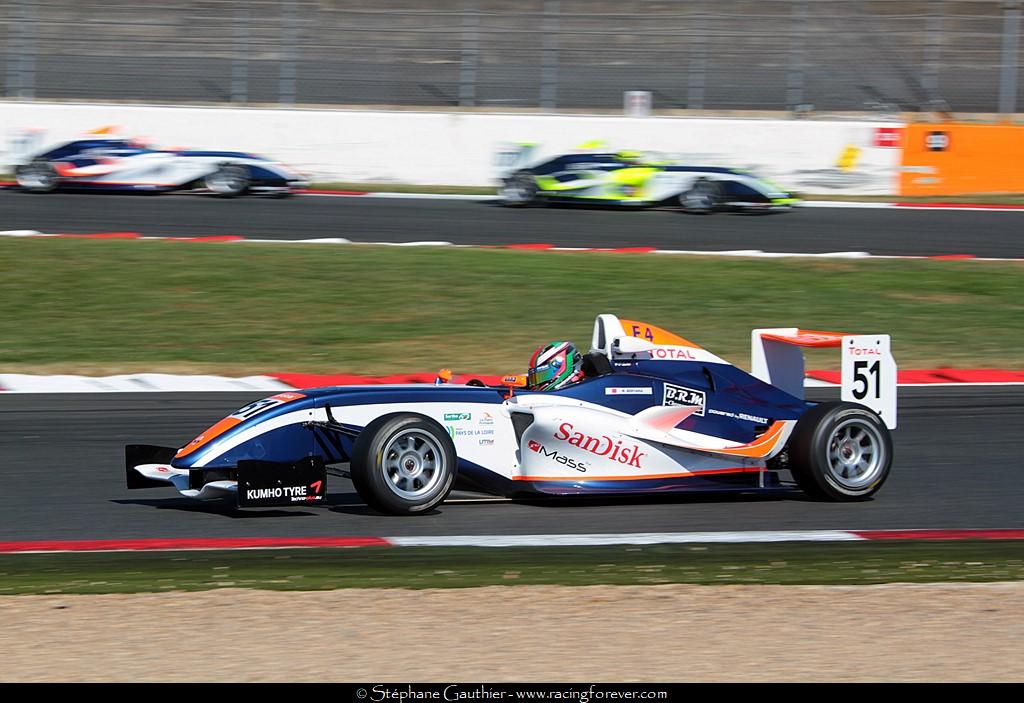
208,436
655,335
761,446
808,338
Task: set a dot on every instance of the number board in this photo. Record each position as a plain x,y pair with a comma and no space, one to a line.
869,374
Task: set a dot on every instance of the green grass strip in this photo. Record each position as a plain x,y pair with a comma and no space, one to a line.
113,306
442,567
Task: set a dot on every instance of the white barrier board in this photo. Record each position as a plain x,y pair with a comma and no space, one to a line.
840,157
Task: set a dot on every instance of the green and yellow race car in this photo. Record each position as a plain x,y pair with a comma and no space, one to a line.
632,178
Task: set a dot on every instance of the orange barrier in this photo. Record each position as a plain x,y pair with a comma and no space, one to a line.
961,159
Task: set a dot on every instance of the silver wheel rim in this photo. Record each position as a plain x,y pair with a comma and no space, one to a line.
226,181
700,197
35,178
413,464
856,454
517,190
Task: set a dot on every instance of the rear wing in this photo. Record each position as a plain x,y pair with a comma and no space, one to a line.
868,368
22,145
512,157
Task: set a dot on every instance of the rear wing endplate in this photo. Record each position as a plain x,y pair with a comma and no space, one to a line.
868,373
511,157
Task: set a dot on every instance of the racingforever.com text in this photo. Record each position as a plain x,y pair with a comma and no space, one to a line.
457,692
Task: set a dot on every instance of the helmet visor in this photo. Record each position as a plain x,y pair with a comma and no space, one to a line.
550,372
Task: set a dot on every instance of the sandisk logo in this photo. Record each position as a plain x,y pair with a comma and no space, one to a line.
553,454
603,445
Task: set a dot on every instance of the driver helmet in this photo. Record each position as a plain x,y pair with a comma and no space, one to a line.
554,366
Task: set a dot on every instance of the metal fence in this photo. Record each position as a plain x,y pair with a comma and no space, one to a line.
802,55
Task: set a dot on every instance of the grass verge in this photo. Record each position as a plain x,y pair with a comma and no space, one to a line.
251,308
443,567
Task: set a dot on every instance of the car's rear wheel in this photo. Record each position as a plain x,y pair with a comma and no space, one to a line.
702,198
403,464
840,452
519,190
36,177
228,181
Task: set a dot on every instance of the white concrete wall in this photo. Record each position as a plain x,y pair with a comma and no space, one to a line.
458,148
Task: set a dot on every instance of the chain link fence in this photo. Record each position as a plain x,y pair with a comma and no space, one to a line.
795,55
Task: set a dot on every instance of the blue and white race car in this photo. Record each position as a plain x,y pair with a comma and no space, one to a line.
653,413
110,163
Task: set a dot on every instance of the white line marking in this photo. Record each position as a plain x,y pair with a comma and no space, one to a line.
403,195
136,383
321,240
491,499
826,204
845,204
635,538
747,253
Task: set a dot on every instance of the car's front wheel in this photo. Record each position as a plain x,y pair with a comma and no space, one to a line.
840,452
403,464
228,181
519,190
36,177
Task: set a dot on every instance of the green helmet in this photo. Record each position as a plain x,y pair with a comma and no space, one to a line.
554,366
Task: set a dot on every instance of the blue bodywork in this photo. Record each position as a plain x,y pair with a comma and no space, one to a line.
88,152
736,406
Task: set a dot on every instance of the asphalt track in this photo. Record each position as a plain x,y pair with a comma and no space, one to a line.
896,231
61,467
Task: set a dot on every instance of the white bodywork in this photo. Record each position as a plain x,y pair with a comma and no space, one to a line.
568,439
596,180
126,166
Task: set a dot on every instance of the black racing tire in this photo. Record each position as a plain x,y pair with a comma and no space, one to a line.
228,181
519,190
840,452
703,197
36,177
403,464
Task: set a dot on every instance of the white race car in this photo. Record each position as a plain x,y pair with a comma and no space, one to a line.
108,163
654,413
